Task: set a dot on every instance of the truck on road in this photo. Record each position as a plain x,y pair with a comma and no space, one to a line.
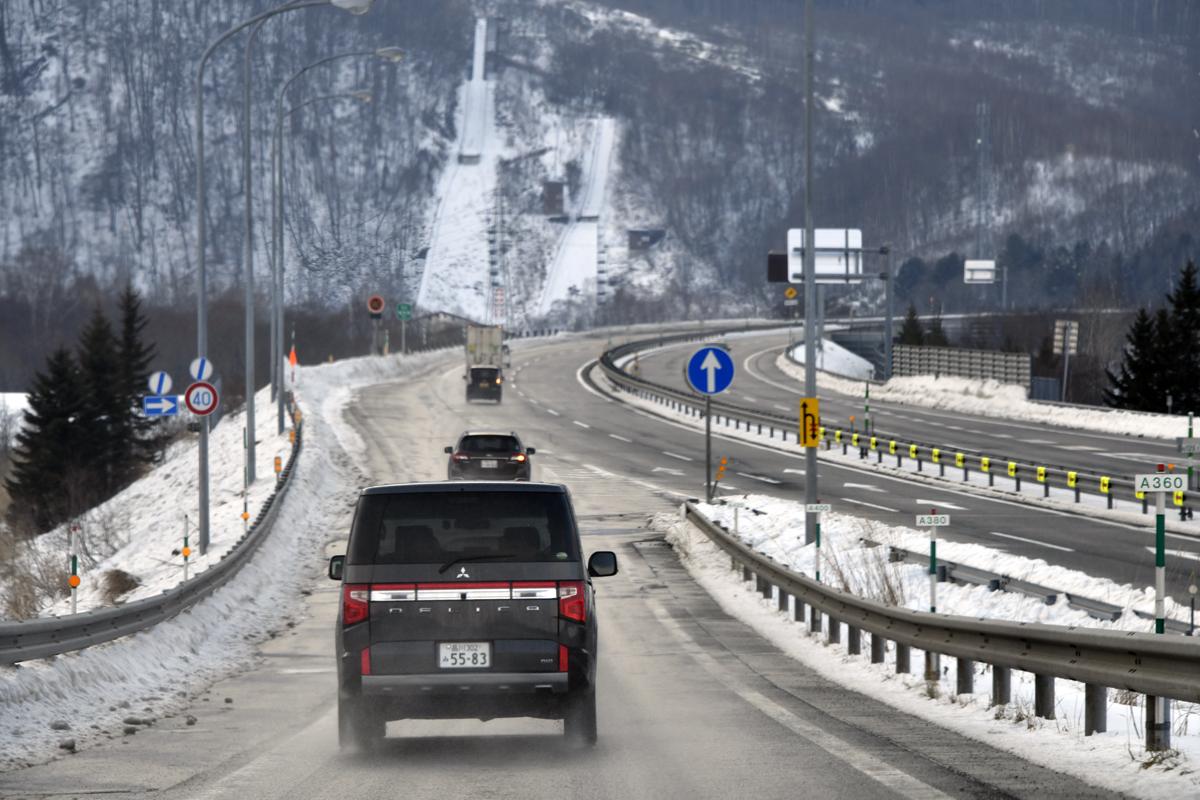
485,362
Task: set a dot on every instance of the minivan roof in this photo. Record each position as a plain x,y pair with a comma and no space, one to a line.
466,486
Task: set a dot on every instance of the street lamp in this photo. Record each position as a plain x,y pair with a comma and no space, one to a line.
392,54
353,6
362,96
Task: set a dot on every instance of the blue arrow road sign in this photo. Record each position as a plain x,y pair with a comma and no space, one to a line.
166,405
710,370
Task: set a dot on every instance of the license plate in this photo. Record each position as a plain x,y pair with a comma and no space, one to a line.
464,655
484,385
489,463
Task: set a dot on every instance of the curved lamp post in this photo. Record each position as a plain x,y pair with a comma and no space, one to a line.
354,7
392,54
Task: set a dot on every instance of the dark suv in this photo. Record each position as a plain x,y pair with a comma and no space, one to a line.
466,601
485,455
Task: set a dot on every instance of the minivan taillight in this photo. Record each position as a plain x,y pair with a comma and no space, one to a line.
355,603
572,602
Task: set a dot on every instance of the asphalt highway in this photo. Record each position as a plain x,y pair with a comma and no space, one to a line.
693,703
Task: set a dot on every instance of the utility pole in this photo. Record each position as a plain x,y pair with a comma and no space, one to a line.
810,272
889,324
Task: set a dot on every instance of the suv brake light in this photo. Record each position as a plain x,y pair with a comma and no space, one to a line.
461,457
572,602
355,603
518,457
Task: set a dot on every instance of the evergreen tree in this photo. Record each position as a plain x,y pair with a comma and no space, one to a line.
49,447
912,332
135,357
936,336
106,417
1183,364
1136,383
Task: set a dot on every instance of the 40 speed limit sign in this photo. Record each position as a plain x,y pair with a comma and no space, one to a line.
201,398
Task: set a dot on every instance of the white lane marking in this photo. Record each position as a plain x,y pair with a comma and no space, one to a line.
534,400
1032,541
788,470
580,424
1081,448
940,504
676,455
953,428
668,470
975,432
552,411
1191,539
620,438
864,762
865,486
751,399
1142,457
760,478
779,407
870,505
1035,441
1179,554
1002,436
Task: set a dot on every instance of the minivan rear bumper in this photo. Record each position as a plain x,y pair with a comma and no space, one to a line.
473,683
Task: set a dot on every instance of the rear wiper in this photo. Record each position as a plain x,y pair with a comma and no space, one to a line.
450,564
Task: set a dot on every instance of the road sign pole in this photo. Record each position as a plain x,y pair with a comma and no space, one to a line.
202,515
933,568
817,539
403,336
867,410
1160,561
810,272
708,449
890,318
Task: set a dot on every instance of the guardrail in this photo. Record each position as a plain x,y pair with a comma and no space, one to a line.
48,636
1150,664
937,456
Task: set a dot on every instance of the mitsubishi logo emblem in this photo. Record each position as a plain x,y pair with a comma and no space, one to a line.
462,573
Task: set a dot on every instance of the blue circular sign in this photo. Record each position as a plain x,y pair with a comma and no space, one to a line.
710,370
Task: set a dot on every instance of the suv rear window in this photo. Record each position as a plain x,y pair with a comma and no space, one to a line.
438,527
488,445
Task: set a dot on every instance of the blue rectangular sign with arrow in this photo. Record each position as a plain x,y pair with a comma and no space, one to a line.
164,405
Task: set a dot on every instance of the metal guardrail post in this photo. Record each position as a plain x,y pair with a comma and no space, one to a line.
853,640
964,676
1095,709
878,647
797,609
1158,723
1043,696
814,620
781,602
933,666
902,659
833,631
1001,685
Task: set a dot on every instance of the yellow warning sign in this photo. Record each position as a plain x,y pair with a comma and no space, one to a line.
790,293
810,422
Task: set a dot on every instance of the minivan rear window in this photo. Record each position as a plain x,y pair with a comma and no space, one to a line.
439,527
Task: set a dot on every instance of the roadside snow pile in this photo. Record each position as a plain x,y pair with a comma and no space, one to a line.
219,636
12,409
988,398
834,358
775,528
1115,760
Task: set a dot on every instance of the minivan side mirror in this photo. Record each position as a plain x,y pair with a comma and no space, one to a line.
529,451
449,449
602,564
337,565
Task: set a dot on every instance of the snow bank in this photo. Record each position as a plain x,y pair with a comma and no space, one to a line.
219,636
988,398
1115,760
834,358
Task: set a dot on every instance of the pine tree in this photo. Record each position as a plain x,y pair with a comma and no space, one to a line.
911,332
936,336
135,357
49,449
105,415
1183,364
1136,383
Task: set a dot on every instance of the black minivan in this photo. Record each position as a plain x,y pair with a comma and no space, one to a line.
466,600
